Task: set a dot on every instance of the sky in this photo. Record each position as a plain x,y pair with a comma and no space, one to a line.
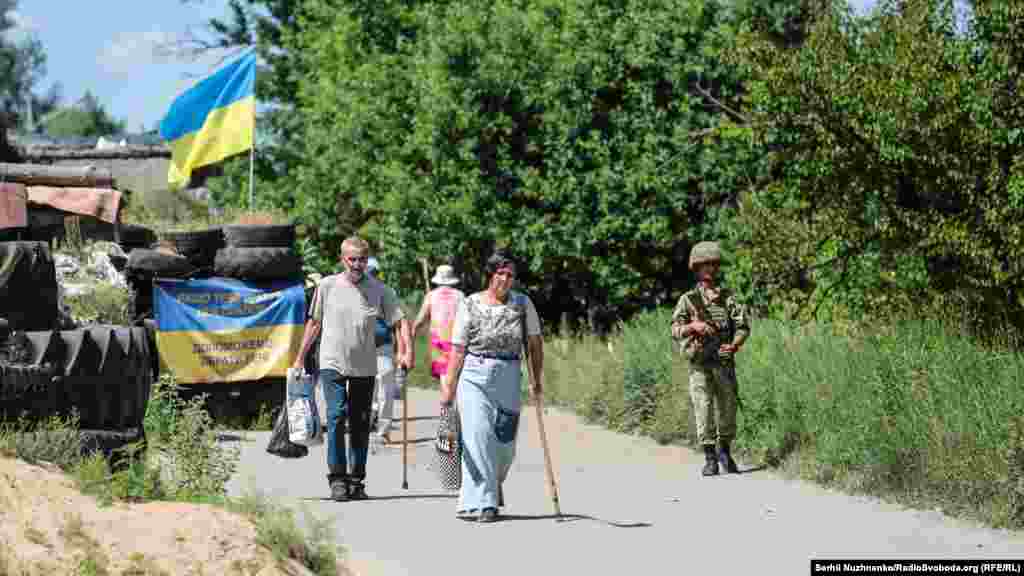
110,47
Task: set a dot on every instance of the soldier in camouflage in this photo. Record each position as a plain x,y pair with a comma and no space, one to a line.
710,327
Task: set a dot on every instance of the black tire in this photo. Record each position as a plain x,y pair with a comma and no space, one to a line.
159,263
112,379
81,370
199,246
110,443
149,325
140,297
19,381
258,263
135,236
28,287
47,347
145,356
14,234
256,236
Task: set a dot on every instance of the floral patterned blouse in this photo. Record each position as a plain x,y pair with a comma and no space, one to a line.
495,330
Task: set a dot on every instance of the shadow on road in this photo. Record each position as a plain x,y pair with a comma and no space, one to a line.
415,418
395,497
398,441
574,518
752,469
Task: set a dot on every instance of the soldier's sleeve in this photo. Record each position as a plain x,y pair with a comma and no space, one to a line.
739,316
681,314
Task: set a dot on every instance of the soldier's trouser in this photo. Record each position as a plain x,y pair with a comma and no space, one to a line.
713,392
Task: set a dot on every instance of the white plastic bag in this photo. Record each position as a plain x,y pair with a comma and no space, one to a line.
303,420
321,405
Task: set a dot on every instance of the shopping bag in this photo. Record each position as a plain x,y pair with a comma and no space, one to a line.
280,445
448,449
303,420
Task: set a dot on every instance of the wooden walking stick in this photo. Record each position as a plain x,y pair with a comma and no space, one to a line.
405,427
539,406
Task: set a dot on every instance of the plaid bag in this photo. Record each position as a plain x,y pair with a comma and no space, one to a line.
448,449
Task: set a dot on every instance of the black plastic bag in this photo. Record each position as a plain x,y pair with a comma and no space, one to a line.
279,444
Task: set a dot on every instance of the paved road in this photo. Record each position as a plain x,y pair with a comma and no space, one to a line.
630,505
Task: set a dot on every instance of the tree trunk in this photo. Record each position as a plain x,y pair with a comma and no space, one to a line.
44,175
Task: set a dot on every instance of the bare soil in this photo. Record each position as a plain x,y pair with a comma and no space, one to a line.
48,527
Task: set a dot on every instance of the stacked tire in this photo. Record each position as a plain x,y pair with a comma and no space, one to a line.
199,247
145,264
28,275
254,253
259,253
102,373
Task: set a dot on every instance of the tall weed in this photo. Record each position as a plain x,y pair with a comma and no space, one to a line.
914,411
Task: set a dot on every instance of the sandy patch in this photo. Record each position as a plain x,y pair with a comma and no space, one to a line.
48,527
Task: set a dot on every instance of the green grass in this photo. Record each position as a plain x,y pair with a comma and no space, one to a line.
914,413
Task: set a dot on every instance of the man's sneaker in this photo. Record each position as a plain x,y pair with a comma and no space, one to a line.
488,515
339,493
725,459
710,462
357,492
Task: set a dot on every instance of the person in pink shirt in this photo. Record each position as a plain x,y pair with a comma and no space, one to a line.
439,307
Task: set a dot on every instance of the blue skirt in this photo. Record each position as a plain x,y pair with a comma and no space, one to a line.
489,404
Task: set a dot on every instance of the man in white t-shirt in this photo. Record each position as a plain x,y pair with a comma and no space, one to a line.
344,314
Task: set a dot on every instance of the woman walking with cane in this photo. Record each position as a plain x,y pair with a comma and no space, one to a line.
484,375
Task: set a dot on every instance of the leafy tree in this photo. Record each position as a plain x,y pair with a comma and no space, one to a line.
584,135
87,118
896,163
22,65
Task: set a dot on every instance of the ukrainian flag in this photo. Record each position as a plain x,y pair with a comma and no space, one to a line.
213,120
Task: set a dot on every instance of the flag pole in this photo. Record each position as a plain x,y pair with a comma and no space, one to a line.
252,151
252,167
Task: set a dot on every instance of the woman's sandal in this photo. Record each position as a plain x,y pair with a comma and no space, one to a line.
488,515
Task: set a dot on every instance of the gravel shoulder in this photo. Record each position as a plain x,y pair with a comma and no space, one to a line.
626,501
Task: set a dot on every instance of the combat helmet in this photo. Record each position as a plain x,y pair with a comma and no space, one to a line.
705,252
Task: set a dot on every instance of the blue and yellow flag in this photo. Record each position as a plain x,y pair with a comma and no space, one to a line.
212,120
226,330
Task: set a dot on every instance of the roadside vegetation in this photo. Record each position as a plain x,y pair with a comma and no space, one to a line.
184,461
914,412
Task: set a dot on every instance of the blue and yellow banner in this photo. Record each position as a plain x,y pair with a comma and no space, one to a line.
213,120
225,330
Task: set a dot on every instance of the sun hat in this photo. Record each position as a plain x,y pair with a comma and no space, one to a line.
445,276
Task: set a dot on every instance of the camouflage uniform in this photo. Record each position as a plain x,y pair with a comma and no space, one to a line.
712,378
712,375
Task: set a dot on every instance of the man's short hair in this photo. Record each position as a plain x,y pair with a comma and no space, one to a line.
355,243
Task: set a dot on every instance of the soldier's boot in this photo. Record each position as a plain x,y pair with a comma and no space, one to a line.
710,461
725,457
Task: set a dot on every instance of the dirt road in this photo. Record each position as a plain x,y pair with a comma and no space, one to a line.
631,506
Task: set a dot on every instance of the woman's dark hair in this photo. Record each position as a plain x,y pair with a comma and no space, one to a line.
497,261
